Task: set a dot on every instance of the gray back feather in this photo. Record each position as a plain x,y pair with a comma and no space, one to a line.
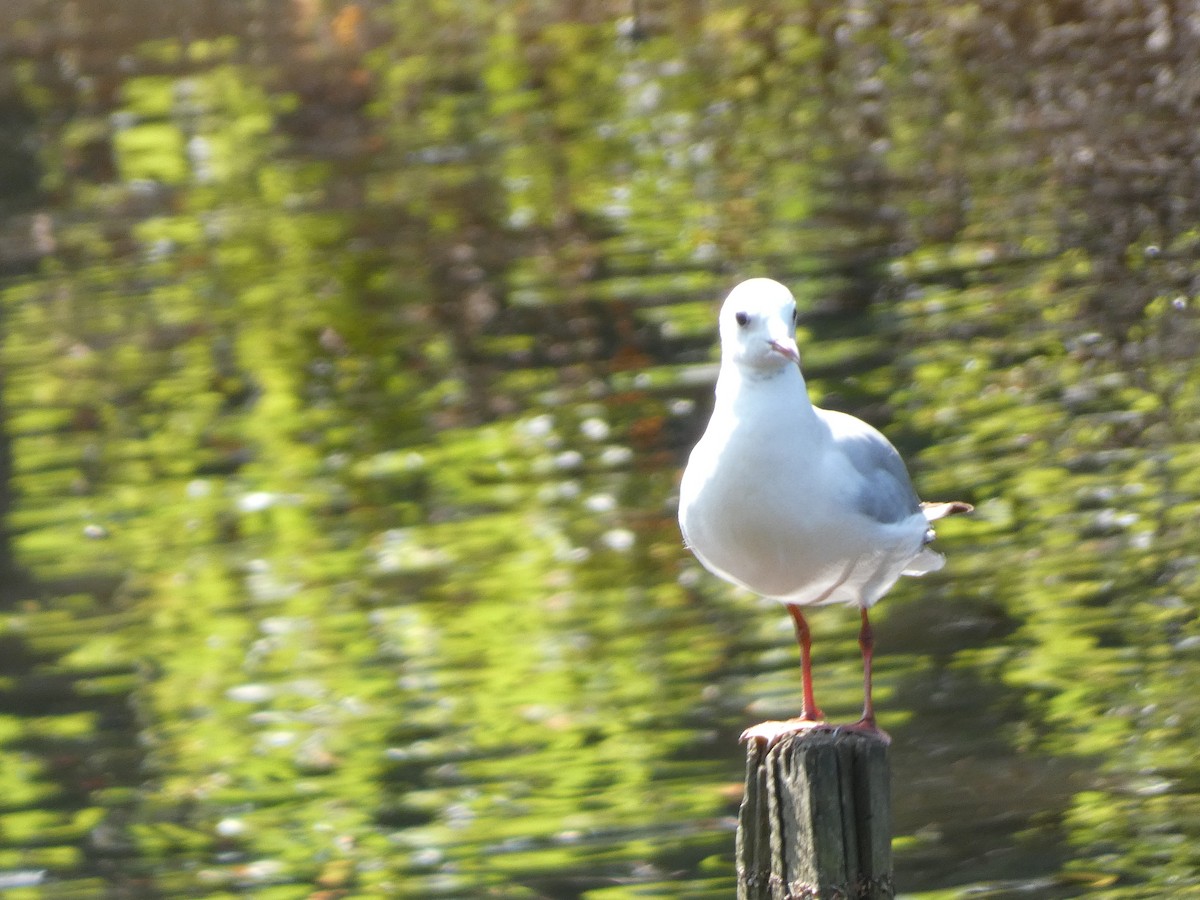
887,493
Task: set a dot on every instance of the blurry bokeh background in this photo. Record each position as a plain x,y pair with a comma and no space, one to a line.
351,351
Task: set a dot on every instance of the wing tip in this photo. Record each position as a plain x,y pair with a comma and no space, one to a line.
935,511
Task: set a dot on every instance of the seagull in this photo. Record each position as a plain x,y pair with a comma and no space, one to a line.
799,504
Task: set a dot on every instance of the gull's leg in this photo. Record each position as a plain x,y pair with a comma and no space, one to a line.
808,709
866,643
770,733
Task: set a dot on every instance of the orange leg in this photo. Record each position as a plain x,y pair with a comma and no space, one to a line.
809,711
866,642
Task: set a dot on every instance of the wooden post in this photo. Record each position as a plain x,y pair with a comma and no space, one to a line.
815,822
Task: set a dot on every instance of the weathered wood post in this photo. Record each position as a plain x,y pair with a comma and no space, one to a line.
815,822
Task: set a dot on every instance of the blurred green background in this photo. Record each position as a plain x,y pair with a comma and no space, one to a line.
350,354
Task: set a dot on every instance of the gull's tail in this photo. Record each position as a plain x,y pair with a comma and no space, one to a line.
929,560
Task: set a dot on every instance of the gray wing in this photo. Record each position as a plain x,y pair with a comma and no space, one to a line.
886,494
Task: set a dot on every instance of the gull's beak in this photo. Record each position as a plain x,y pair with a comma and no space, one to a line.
786,347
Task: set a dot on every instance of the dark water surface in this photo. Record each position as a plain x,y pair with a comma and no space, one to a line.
350,356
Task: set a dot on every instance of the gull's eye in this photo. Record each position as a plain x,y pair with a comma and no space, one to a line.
742,318
795,316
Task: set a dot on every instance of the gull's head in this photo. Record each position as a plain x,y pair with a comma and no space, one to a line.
758,327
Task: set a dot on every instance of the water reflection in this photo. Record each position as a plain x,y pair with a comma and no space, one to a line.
349,359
